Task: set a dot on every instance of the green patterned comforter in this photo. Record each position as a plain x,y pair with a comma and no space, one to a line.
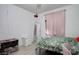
55,42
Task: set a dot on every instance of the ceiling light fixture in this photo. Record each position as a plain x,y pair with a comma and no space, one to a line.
36,10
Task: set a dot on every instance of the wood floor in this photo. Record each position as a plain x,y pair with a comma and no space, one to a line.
30,50
26,50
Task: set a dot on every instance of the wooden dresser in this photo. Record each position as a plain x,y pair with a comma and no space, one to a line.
8,46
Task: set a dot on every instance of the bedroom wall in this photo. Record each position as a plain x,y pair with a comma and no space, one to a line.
16,23
71,20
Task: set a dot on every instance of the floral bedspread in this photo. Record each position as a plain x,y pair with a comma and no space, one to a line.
54,43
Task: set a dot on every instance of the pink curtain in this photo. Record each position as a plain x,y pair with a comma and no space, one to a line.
50,24
55,25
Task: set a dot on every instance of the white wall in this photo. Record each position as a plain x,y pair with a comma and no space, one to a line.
3,16
15,23
71,20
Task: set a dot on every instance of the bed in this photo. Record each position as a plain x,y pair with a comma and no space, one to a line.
55,44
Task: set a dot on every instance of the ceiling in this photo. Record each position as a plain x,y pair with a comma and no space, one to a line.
41,7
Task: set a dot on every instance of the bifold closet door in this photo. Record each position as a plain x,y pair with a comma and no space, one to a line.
55,23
